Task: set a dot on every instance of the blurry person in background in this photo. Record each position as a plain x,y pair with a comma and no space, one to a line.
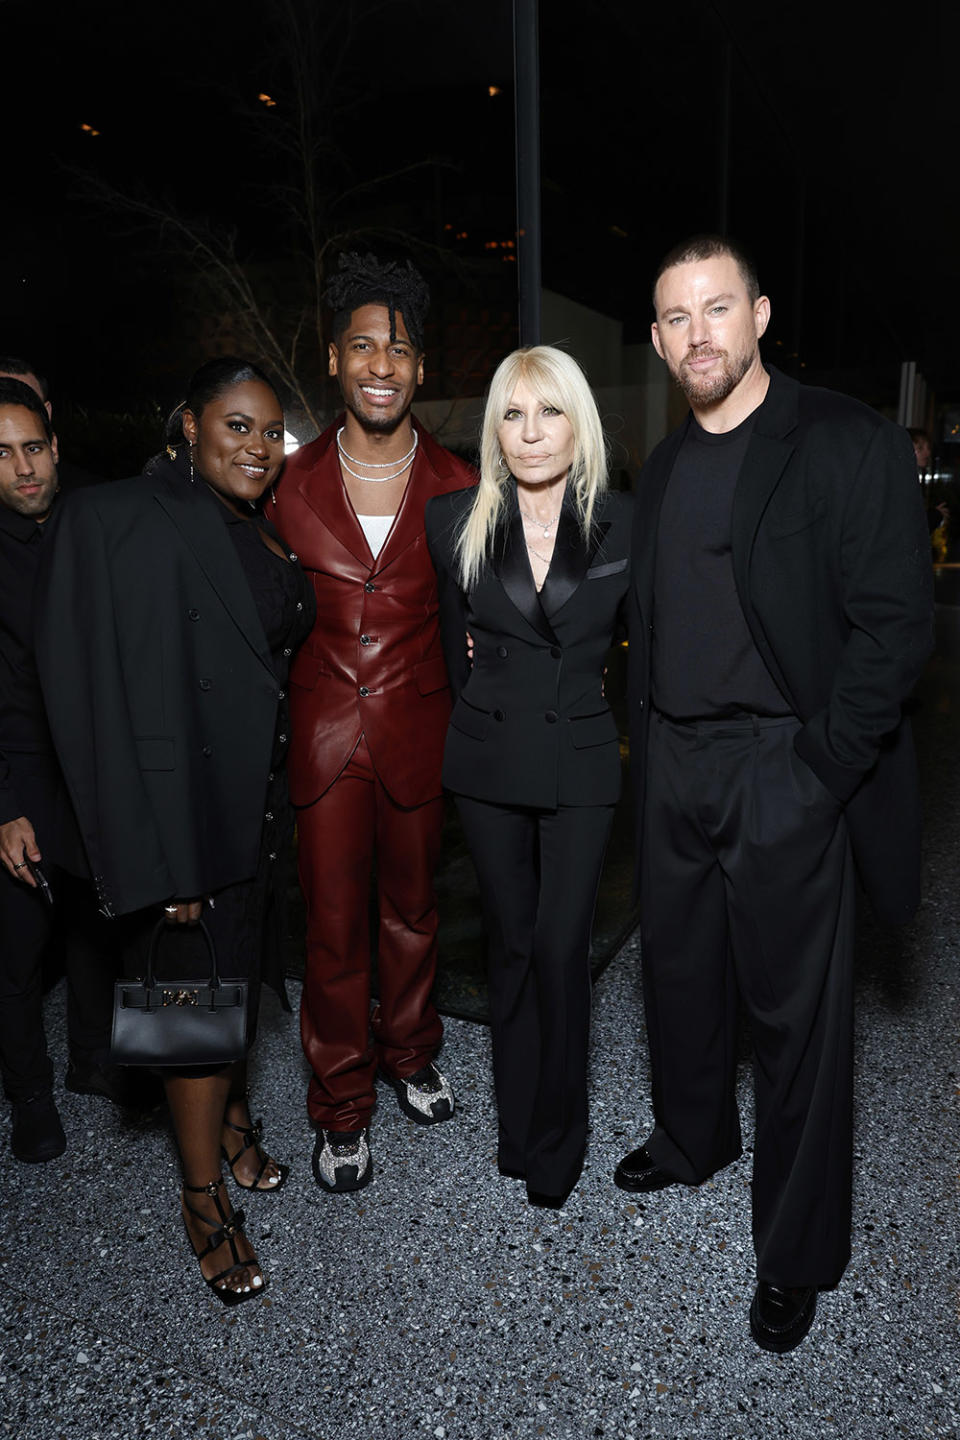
40,847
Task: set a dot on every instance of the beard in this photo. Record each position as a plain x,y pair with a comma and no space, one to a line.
721,382
374,422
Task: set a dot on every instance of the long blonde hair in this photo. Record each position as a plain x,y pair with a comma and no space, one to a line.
557,380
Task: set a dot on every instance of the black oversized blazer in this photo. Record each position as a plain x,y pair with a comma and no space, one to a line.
530,725
159,686
831,558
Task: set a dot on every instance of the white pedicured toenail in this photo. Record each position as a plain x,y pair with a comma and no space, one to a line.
257,1281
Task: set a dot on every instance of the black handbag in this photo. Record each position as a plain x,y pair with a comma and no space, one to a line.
178,1022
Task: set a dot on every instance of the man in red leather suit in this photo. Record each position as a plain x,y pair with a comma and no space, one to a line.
369,709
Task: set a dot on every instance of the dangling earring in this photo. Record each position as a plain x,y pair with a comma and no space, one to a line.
273,495
192,476
502,464
171,452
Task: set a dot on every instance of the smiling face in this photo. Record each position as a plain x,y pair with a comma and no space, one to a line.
237,441
536,439
378,376
707,329
28,463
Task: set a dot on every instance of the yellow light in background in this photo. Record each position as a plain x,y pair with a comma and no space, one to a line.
493,90
266,100
89,130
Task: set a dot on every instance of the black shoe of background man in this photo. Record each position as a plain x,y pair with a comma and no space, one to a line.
639,1173
779,1319
36,1134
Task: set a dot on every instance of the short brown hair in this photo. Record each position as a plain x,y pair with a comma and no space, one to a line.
709,247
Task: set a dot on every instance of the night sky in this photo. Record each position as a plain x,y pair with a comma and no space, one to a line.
839,168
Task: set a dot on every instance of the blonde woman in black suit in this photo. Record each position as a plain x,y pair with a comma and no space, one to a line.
533,563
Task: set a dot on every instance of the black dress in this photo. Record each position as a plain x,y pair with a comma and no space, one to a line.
236,916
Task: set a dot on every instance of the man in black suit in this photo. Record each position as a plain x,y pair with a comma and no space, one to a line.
36,825
782,614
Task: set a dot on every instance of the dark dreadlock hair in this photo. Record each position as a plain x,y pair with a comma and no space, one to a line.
367,280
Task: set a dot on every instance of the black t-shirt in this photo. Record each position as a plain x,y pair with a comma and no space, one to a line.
705,664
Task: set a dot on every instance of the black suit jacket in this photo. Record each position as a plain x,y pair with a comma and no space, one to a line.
832,564
159,686
530,725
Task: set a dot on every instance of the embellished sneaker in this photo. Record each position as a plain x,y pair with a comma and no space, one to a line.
341,1160
425,1095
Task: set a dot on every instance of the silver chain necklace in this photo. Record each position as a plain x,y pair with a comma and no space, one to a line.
545,558
546,528
398,466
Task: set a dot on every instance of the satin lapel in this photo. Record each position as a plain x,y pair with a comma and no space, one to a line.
322,488
649,498
570,562
204,533
512,568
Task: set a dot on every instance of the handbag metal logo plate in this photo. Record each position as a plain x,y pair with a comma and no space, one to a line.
180,997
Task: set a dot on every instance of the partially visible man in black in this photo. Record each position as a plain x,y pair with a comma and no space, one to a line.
18,367
36,823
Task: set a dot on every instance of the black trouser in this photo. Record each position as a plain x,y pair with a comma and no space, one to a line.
747,887
26,927
539,871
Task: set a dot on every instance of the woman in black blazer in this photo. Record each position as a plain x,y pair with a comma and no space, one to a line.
534,564
168,611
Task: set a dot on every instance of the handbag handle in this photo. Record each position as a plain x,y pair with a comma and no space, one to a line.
161,928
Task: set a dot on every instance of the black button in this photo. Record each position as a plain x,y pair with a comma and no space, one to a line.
299,604
363,691
640,704
288,652
499,715
502,651
270,776
205,684
294,556
281,694
364,639
208,750
369,587
193,614
282,739
555,652
272,855
268,815
551,717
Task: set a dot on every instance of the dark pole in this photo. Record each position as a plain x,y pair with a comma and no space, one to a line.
526,84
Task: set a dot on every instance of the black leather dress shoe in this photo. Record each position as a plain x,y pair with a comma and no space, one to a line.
36,1134
640,1173
779,1319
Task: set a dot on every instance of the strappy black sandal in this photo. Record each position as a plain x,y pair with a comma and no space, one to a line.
252,1136
224,1229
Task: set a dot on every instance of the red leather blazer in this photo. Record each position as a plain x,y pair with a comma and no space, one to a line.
372,664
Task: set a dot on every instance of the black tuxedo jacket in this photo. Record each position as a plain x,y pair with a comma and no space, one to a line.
530,725
159,687
832,564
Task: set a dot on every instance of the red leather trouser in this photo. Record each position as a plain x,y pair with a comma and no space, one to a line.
340,835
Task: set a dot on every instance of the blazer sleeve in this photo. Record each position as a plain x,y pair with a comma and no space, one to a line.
887,598
439,520
79,661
